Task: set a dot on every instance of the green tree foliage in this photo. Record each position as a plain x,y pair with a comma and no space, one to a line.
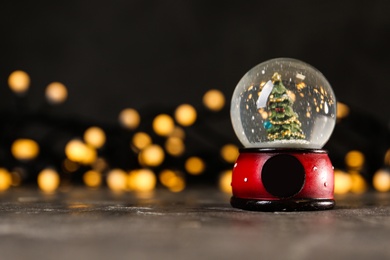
283,122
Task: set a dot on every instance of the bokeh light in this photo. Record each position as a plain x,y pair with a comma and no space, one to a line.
95,137
354,159
381,180
229,153
5,179
70,166
92,179
173,180
19,81
174,146
48,180
25,149
342,110
129,118
178,132
358,184
141,140
214,100
185,115
153,155
194,165
142,180
117,180
225,180
342,182
56,93
163,125
80,152
100,165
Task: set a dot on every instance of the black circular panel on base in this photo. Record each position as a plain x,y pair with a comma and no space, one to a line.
283,175
282,205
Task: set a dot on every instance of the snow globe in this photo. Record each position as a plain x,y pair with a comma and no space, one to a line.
283,111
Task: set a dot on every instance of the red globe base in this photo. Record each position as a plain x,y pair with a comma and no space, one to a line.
282,180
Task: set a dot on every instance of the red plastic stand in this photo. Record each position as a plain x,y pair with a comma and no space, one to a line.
283,180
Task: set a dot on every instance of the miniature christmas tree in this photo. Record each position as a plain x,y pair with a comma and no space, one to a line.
283,123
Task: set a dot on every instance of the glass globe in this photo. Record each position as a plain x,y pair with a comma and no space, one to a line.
283,103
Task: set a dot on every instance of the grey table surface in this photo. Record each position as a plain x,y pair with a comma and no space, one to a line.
195,224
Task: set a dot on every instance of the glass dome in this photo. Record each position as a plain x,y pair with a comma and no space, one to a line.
283,103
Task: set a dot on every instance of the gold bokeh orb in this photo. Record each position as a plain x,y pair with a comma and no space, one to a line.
129,118
358,185
342,110
56,93
80,152
342,182
19,81
5,179
163,125
229,153
214,100
194,165
142,180
225,180
185,115
381,180
172,180
141,140
117,180
48,180
92,179
153,155
95,136
25,149
354,159
178,132
174,146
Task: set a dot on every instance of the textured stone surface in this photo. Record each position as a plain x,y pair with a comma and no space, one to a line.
195,224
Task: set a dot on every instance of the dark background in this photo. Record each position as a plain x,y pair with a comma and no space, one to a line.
114,54
155,55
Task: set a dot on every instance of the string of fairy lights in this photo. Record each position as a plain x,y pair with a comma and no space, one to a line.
141,153
153,156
